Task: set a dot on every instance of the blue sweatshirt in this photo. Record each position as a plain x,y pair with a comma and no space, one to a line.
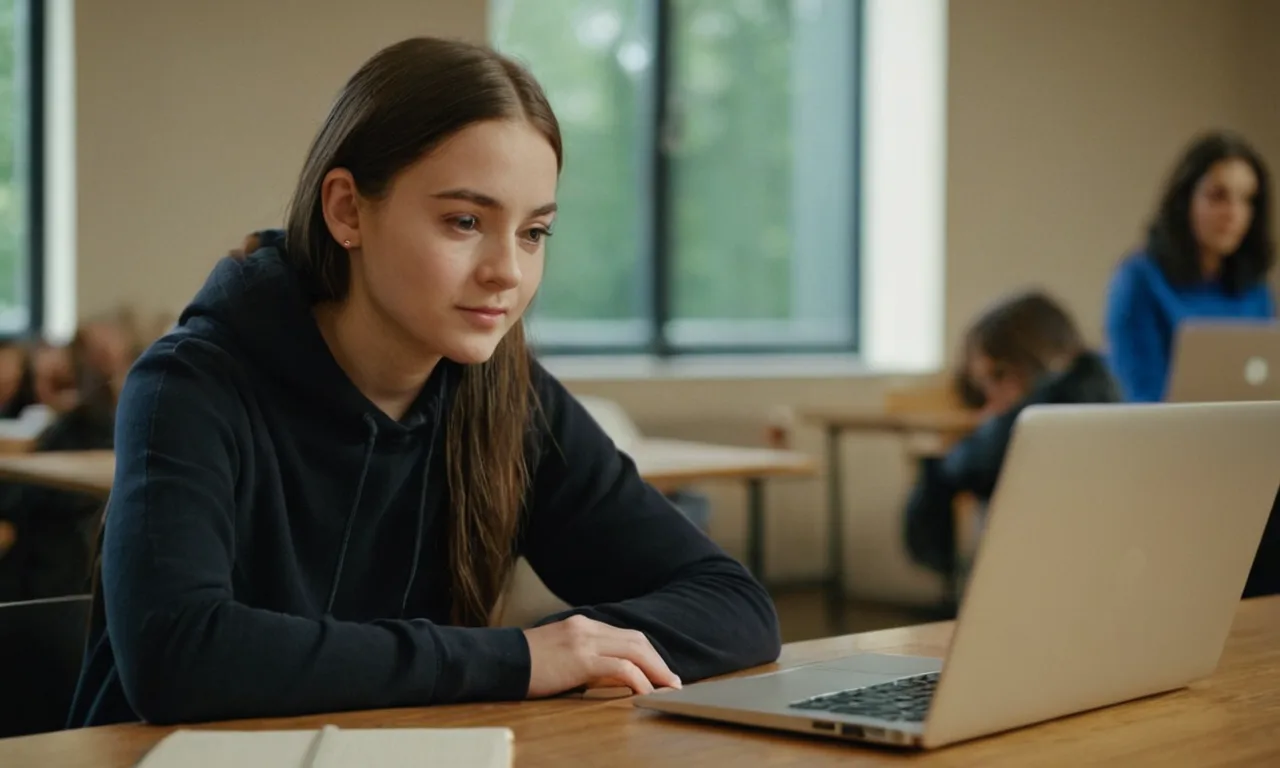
275,545
1143,314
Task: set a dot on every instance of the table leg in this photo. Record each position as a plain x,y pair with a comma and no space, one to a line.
835,533
755,534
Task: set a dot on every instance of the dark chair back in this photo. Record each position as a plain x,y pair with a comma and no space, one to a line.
41,648
1264,576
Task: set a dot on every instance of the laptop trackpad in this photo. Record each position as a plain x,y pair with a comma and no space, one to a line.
776,691
882,664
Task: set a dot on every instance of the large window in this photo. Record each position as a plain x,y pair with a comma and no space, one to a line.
708,201
21,153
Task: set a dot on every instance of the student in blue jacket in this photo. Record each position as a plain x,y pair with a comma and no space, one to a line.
327,469
1208,255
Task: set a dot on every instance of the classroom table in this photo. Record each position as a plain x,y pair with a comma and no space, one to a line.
944,426
16,445
666,464
1230,718
672,464
87,472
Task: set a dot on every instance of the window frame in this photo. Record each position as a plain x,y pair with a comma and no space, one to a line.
31,48
36,22
658,220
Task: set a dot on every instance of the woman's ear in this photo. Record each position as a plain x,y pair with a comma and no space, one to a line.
339,202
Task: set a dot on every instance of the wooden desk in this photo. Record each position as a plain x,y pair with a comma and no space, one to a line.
1231,718
667,464
672,464
945,423
16,445
88,472
943,426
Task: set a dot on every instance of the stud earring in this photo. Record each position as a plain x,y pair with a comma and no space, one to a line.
346,243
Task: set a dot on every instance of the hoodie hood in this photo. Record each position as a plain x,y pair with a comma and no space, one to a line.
258,304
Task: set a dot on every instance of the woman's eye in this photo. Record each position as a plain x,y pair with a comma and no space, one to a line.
538,234
466,223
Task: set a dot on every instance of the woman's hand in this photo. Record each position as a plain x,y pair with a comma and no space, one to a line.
579,651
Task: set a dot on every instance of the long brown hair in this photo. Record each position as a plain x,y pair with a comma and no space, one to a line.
399,106
1171,241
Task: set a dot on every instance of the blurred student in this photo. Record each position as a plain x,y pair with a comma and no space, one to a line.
1024,350
327,471
1208,254
50,532
17,379
54,374
108,346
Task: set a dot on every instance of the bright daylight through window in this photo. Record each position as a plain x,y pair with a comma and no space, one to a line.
19,166
708,202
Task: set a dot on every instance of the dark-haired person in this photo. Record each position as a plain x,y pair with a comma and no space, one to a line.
1024,350
17,380
50,551
327,469
1208,254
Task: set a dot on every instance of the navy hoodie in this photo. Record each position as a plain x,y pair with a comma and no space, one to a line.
275,545
973,465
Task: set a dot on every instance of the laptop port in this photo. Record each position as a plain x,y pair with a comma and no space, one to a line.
819,725
852,730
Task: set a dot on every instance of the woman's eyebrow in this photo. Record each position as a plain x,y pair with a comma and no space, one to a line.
488,201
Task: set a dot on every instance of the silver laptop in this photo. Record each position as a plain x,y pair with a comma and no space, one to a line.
1225,361
1116,549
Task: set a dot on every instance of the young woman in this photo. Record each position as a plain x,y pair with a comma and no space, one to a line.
325,472
1207,256
1025,350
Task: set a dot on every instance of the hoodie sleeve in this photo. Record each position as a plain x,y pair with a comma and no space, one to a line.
607,542
1138,350
929,525
185,648
973,464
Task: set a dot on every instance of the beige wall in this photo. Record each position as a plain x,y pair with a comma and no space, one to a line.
1258,67
1063,118
194,118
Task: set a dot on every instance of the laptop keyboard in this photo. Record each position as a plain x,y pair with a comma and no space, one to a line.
904,700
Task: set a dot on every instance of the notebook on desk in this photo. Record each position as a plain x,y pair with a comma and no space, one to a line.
333,747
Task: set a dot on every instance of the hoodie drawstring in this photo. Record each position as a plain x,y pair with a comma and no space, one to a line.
422,509
370,443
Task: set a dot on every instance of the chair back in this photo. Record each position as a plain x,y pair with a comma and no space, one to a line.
614,420
41,648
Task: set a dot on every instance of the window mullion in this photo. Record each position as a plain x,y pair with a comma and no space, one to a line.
661,236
